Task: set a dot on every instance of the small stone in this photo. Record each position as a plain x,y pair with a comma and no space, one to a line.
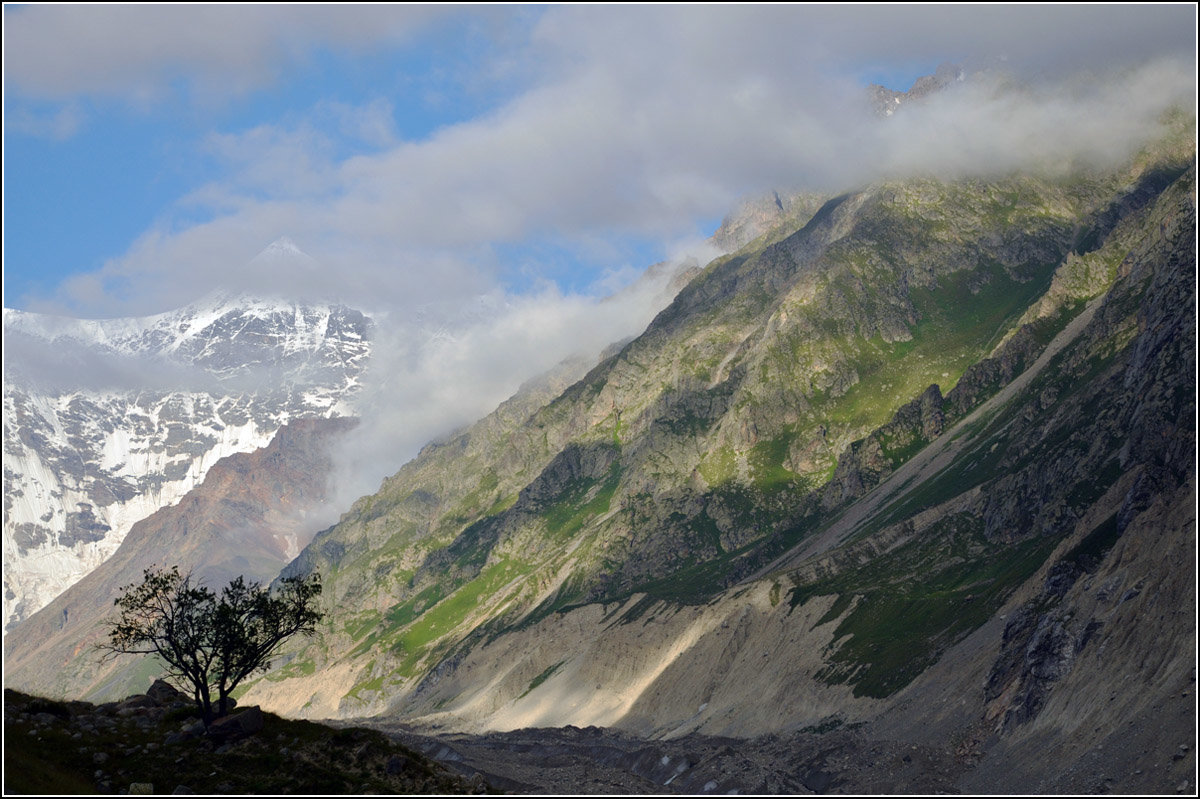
1183,747
100,757
182,789
141,787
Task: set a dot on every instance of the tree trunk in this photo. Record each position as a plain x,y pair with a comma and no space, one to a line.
204,702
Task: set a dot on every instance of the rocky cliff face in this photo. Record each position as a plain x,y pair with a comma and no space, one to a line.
106,421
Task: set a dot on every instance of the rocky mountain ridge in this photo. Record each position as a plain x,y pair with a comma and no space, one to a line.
885,101
105,421
1013,602
785,384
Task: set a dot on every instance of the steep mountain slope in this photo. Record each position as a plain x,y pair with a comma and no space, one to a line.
813,409
105,421
247,518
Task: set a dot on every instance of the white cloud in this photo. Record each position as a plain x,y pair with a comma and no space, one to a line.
635,121
135,52
632,121
372,124
440,366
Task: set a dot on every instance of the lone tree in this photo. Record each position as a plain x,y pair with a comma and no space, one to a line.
211,642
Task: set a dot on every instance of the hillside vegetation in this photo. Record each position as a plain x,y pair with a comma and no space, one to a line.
783,384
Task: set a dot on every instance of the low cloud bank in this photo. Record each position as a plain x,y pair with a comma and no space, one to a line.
434,372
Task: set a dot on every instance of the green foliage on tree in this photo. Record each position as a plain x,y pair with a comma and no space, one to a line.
211,642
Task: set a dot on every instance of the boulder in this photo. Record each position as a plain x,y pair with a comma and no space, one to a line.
164,694
238,725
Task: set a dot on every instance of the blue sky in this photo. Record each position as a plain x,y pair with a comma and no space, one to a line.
427,153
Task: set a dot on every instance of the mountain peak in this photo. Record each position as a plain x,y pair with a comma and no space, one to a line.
283,250
887,101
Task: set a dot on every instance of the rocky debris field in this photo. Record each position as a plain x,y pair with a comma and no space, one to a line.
829,758
155,743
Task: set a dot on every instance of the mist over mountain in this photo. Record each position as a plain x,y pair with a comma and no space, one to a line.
889,488
108,420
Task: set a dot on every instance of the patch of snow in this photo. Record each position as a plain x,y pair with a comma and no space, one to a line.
128,453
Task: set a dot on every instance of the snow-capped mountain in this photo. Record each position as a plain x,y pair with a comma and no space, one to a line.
105,421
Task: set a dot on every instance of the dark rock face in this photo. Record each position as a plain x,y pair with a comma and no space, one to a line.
574,464
1038,650
82,527
983,379
1052,633
28,536
859,469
